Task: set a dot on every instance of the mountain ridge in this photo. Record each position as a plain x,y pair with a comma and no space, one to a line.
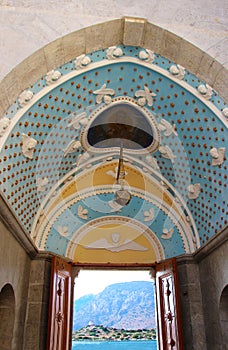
126,305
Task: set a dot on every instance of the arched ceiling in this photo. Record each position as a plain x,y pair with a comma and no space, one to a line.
62,188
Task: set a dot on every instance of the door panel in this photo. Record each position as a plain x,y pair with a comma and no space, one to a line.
168,306
59,308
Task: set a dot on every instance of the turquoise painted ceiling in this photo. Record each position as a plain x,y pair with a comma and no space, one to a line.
42,142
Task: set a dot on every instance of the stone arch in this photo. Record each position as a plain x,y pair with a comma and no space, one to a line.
223,315
126,31
7,316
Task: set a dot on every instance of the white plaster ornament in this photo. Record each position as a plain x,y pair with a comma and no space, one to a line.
177,71
82,213
218,155
82,158
167,128
152,162
72,147
145,97
115,244
104,94
167,234
82,61
148,215
194,191
28,146
115,206
63,231
25,97
78,120
146,56
225,112
166,152
4,124
52,77
41,183
205,91
114,52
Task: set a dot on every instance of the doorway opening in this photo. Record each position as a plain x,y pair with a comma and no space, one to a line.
114,307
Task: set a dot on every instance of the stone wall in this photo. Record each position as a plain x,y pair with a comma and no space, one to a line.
214,278
36,322
15,267
191,304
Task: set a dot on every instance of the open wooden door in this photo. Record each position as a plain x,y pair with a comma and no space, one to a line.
60,306
168,306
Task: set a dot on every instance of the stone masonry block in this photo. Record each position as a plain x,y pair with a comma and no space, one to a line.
103,35
134,31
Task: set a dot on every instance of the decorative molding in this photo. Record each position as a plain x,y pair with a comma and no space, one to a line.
193,191
167,234
72,147
52,77
104,94
146,56
177,71
28,146
25,97
4,124
114,52
166,152
218,155
41,183
167,128
205,90
82,61
145,97
149,215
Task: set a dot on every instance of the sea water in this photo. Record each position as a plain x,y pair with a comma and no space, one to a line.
115,345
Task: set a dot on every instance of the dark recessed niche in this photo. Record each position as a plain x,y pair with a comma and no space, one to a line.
118,124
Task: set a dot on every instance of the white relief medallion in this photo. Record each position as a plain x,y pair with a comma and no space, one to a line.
28,146
194,191
52,77
177,71
114,52
146,56
218,155
205,91
25,97
82,61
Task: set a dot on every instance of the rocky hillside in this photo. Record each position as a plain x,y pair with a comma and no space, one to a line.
128,305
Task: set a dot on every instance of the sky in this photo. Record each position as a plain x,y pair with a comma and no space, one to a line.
95,281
